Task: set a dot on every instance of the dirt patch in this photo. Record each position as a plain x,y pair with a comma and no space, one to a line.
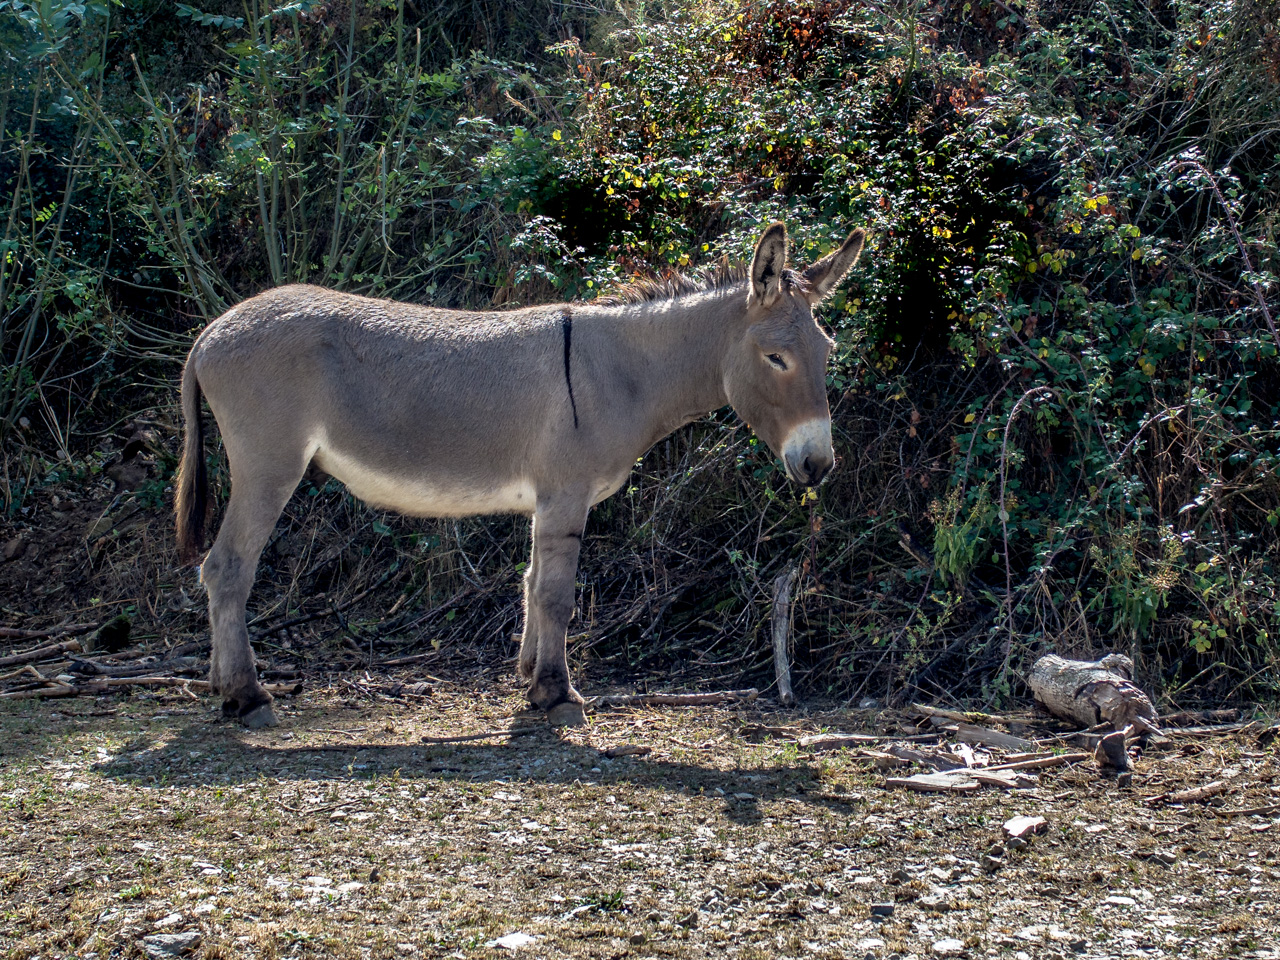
341,834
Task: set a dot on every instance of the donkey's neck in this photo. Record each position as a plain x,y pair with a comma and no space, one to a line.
679,346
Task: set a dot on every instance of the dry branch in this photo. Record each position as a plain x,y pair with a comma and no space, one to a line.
99,685
675,699
1039,763
1194,795
17,633
41,653
1092,693
466,738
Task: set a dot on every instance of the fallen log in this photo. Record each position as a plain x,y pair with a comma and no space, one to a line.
675,699
1093,693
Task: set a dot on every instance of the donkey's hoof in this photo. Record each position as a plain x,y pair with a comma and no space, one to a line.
567,714
260,717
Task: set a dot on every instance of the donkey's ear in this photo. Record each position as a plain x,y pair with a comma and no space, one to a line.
825,275
768,264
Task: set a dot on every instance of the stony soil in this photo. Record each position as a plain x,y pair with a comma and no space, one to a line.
142,822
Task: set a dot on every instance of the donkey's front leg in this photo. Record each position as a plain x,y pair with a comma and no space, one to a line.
549,597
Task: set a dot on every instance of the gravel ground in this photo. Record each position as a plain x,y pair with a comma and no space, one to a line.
144,825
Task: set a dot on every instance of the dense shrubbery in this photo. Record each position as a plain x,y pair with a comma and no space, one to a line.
1057,380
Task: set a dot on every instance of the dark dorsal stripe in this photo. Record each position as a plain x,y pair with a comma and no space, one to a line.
566,324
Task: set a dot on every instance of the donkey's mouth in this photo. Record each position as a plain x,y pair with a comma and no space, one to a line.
810,471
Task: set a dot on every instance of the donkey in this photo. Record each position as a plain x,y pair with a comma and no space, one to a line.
540,411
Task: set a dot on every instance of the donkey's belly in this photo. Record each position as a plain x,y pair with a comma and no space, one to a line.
426,496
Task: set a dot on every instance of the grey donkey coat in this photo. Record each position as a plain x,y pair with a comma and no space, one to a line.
540,411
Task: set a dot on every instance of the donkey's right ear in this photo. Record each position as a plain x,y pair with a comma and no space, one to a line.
768,263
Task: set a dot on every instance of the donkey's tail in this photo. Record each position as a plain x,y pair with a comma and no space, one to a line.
191,506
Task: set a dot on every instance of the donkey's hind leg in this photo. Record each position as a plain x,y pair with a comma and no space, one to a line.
228,574
549,598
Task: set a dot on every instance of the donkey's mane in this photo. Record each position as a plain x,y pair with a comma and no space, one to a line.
717,277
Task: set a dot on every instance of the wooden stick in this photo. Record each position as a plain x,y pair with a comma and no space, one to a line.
1040,763
15,633
676,699
1249,811
781,616
1193,795
956,715
41,653
834,741
517,732
61,690
98,685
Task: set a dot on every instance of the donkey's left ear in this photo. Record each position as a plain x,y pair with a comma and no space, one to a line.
825,275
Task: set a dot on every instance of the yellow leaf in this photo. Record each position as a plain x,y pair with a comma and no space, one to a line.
555,135
969,417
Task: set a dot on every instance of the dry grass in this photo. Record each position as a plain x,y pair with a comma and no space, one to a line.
341,835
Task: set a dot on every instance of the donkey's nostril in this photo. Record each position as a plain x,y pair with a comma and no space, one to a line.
808,469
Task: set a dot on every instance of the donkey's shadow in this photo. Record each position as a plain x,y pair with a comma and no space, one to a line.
197,756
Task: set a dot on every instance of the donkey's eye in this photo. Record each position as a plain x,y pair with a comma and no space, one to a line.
777,361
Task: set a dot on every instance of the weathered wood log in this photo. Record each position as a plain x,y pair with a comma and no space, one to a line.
781,618
1092,693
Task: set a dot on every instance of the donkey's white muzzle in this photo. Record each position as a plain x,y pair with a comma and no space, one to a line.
807,453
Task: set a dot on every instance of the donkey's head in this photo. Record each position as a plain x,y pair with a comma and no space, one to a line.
776,371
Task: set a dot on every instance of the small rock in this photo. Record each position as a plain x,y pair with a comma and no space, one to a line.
513,941
15,548
1025,826
689,920
638,938
882,909
1017,843
949,947
1121,901
162,946
991,864
900,876
375,875
1167,857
